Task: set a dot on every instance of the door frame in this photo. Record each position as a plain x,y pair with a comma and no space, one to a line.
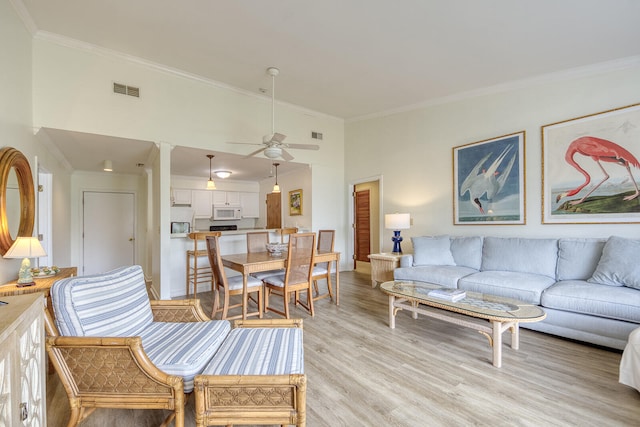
351,209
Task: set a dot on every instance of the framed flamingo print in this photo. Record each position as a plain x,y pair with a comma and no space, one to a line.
590,168
488,181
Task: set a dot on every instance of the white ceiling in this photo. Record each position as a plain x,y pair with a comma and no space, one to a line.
355,58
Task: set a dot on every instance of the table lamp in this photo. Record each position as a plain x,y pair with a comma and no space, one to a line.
25,247
397,222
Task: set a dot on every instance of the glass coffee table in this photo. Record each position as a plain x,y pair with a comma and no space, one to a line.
474,311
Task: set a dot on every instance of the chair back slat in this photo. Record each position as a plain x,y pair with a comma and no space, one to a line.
300,258
215,260
257,241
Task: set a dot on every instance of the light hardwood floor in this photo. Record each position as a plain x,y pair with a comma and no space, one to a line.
425,373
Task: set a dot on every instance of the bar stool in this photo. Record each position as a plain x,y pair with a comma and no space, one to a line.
286,232
197,274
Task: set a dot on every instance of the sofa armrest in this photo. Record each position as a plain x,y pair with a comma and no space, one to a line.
268,323
99,369
184,310
406,260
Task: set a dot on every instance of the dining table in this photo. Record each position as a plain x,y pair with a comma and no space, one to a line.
254,262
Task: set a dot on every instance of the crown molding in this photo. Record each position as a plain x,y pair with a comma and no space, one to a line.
25,16
569,74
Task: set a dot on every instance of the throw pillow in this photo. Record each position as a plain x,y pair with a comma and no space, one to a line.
432,251
619,264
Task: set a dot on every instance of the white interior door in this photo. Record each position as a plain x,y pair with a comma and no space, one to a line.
108,237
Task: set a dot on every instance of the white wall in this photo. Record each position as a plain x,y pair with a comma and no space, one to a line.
417,151
295,180
16,130
72,90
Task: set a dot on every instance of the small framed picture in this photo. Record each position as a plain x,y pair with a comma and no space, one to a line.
295,202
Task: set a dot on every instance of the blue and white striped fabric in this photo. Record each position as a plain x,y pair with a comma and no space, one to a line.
184,348
115,303
259,351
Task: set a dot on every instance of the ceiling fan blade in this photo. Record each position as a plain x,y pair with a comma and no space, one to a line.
254,153
243,143
304,146
278,137
286,156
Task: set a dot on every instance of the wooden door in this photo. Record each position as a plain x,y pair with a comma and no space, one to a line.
274,210
108,234
362,221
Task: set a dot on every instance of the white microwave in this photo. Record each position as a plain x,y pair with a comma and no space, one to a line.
227,212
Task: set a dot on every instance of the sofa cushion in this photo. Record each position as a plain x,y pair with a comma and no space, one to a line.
445,275
259,351
578,258
619,264
525,287
467,251
580,296
109,304
434,250
536,256
184,349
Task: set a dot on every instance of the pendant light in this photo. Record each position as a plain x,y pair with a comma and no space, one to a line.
210,184
276,188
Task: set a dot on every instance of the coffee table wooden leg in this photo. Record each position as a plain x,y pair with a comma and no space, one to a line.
392,316
497,343
515,336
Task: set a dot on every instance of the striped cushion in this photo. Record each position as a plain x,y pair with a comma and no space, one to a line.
115,303
259,351
184,348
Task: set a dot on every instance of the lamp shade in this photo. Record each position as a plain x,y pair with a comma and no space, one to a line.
25,247
397,221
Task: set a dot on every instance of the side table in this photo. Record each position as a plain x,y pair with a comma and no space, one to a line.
43,284
382,266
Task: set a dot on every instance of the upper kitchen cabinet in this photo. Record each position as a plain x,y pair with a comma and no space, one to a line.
201,203
180,197
250,203
226,198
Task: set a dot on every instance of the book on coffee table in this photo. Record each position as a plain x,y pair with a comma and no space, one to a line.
448,294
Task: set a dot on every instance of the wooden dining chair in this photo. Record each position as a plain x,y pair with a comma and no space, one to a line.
257,242
198,273
297,276
230,286
326,239
286,232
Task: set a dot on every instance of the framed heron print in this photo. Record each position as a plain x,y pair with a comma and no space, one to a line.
590,169
488,181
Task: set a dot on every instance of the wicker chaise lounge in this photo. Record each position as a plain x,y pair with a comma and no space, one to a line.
114,348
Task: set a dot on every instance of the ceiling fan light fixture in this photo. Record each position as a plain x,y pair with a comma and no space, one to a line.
222,174
210,184
273,152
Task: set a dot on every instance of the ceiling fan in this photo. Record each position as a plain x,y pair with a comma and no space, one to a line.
273,145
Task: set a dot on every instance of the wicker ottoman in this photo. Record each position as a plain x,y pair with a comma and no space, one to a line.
256,377
630,363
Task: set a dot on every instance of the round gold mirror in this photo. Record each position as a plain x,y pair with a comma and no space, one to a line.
17,198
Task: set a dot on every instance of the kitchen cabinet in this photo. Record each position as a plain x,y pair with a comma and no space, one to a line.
201,202
226,198
250,203
180,196
22,361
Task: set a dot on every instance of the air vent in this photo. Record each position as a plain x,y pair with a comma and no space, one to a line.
126,90
316,135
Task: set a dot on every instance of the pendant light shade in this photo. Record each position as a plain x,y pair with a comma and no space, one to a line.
276,187
210,184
